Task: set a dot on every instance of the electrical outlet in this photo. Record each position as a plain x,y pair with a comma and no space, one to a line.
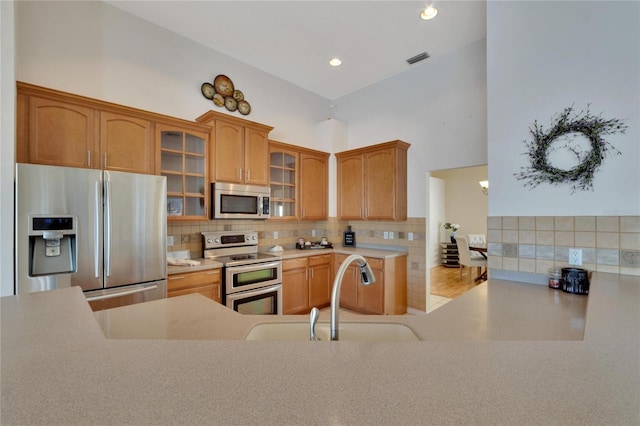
275,235
391,235
313,232
169,240
410,236
575,257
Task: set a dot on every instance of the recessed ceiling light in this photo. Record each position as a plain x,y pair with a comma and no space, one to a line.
428,12
335,62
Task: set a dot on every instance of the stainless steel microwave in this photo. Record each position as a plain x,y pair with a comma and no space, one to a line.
236,201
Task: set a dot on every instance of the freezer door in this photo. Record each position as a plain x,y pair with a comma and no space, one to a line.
52,190
135,228
127,295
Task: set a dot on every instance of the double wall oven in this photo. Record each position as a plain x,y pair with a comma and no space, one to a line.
252,281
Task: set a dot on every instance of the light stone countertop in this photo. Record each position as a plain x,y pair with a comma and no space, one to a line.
289,254
204,265
503,353
383,254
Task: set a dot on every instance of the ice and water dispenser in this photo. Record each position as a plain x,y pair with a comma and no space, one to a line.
52,245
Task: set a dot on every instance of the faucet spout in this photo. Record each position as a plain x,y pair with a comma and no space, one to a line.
367,277
314,315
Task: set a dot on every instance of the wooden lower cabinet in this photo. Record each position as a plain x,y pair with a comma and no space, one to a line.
207,283
388,295
295,286
320,280
306,283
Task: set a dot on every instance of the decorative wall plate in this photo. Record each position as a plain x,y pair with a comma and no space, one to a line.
230,103
207,90
243,107
218,99
223,94
223,85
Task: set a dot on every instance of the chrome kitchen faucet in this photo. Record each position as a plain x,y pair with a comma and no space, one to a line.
367,277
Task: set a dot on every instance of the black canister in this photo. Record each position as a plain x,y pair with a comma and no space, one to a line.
349,238
575,280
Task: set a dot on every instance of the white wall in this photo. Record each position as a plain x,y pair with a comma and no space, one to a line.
438,106
96,50
7,145
331,136
543,57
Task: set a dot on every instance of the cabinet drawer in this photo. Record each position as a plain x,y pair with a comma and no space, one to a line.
212,291
289,264
193,279
375,263
323,259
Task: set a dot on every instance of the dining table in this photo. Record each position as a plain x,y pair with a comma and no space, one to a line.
482,249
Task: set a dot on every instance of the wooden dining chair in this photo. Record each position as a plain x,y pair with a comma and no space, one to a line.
465,258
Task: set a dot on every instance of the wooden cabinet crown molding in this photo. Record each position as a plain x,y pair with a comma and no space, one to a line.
273,144
370,148
28,89
210,116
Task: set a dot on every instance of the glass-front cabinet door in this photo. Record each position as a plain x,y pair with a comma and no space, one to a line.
283,177
183,162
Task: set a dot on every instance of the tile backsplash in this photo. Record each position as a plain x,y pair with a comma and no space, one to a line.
408,236
536,244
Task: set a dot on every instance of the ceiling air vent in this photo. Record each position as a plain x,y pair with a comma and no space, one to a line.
419,57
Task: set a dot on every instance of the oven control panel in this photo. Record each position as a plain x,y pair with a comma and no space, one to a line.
222,239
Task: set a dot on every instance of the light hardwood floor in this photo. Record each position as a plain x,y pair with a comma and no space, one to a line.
446,282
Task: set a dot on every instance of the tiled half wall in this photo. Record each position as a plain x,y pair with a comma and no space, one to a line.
530,246
408,236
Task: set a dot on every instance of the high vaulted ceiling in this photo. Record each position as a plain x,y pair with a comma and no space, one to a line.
294,40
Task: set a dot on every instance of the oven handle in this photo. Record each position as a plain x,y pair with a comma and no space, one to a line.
253,266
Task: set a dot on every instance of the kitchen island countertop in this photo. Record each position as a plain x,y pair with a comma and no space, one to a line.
487,357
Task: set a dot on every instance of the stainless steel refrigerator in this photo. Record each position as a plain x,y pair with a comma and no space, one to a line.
103,231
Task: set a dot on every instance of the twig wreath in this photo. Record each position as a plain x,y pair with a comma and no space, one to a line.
567,123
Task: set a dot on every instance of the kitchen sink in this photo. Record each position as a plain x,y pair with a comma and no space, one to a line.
349,331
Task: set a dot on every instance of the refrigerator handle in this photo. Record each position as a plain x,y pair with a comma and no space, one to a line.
96,229
107,226
120,293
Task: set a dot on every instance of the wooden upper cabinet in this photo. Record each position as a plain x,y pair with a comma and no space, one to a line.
229,152
299,179
284,181
56,133
64,129
183,160
372,182
239,149
381,183
351,187
126,143
256,166
314,185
